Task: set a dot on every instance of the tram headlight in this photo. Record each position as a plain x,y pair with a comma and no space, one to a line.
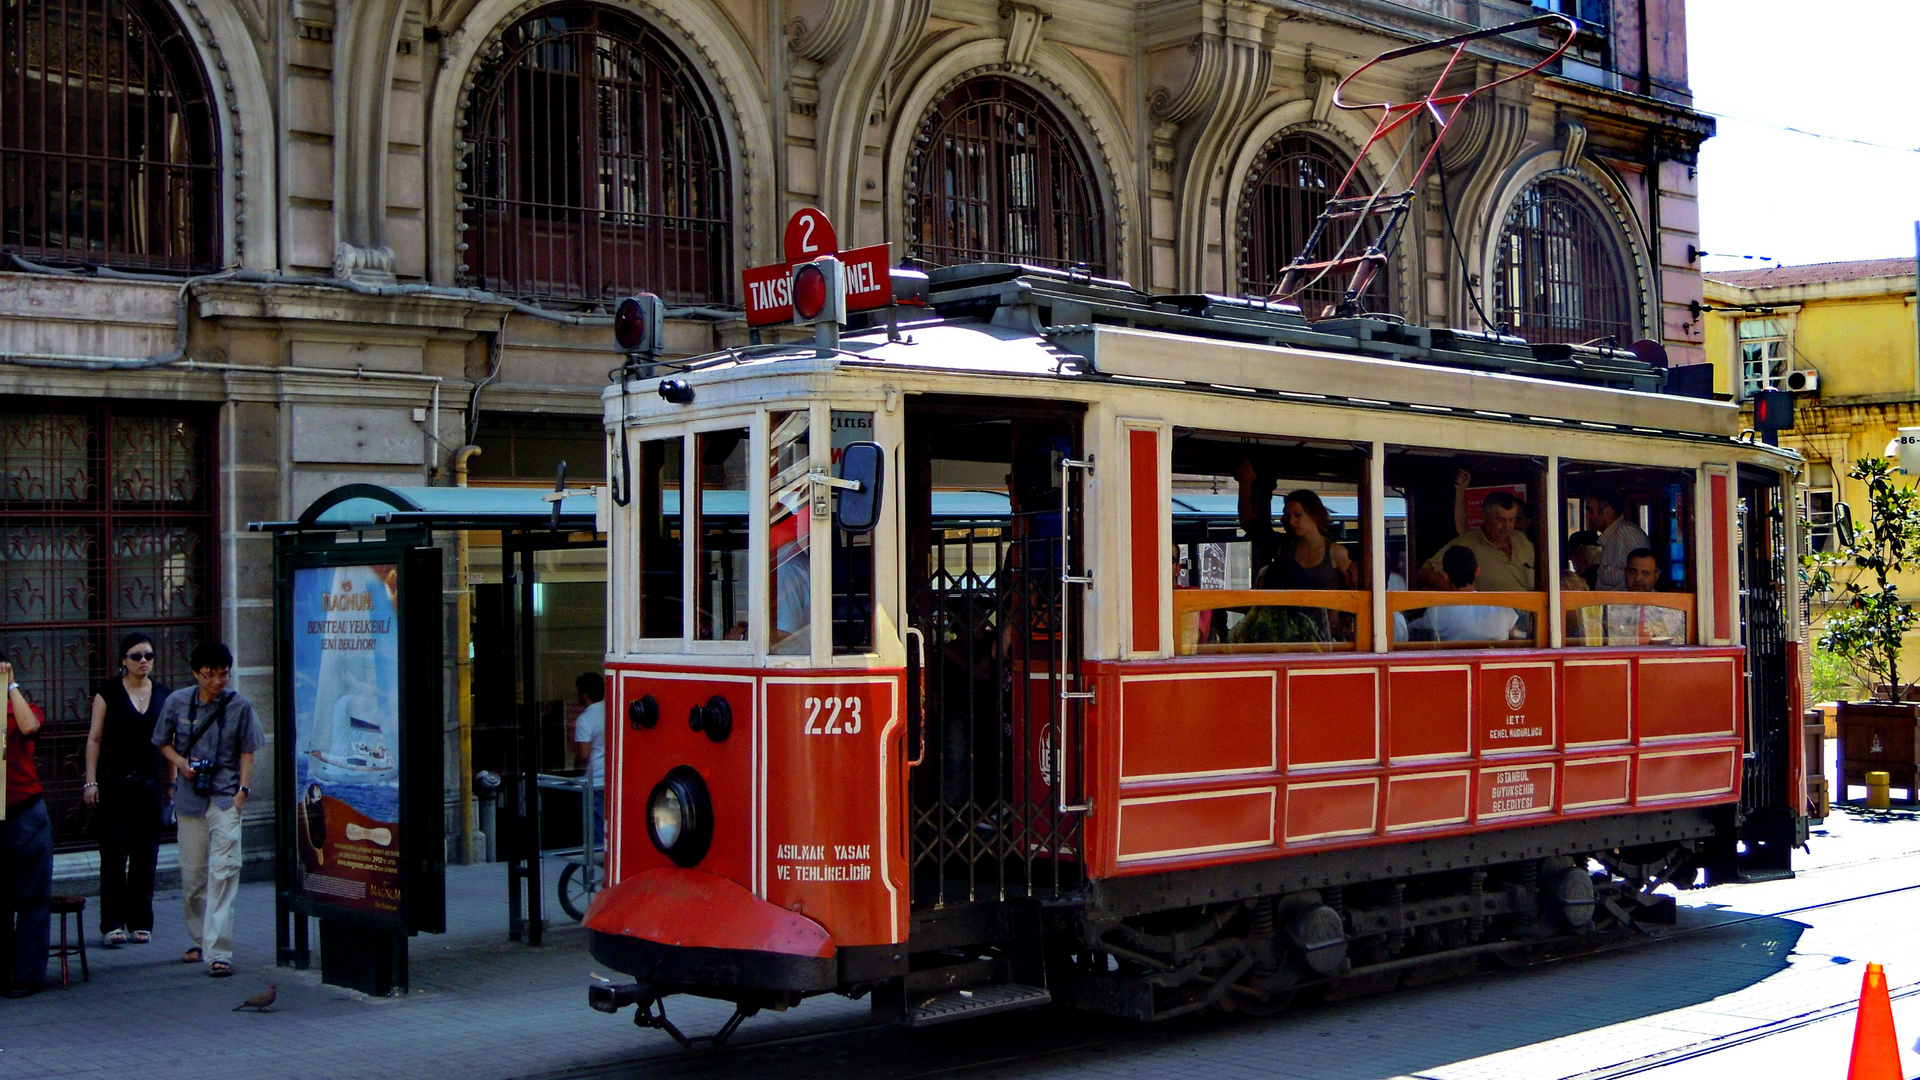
680,817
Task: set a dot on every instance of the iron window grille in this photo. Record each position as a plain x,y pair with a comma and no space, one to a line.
597,167
1560,276
109,151
1289,188
106,527
998,176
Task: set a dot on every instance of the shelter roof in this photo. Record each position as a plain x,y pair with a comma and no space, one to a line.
351,507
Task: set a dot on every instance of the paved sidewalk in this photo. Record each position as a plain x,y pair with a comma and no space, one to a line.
481,1007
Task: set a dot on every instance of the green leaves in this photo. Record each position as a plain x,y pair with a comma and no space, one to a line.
1867,625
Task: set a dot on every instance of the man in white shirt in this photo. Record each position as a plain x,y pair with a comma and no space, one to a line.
1467,622
590,744
1606,514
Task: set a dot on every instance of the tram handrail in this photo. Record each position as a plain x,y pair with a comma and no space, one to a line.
1685,603
1534,603
1353,601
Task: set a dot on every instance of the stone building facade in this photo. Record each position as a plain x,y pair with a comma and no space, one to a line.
253,249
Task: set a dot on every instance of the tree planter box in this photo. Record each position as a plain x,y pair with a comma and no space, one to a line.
1879,736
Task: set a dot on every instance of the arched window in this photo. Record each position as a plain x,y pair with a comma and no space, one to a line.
1000,177
109,153
1296,175
1561,277
596,167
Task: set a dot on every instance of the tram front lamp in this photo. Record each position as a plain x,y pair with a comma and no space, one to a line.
680,817
676,391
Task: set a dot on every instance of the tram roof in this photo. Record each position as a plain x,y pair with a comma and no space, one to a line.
996,319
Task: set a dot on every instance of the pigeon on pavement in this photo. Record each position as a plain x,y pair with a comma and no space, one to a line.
261,1002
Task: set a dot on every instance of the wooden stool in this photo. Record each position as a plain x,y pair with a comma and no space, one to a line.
76,906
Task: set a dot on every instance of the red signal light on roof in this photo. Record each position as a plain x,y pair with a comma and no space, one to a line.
637,323
809,291
819,291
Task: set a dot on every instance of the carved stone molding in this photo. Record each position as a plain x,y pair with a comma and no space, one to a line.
1572,137
819,29
368,265
1024,25
853,62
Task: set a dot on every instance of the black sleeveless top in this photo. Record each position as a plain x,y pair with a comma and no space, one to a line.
126,740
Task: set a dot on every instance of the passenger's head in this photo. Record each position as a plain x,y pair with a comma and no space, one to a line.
591,686
1604,507
1304,510
1643,570
1461,566
211,662
1498,516
1583,550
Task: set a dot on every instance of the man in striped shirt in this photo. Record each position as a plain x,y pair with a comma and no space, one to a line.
1619,538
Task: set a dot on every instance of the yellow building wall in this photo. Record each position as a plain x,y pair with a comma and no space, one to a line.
1861,347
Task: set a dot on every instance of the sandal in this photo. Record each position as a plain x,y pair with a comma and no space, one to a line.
219,969
116,938
143,937
191,956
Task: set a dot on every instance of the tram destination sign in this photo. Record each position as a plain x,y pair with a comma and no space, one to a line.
810,235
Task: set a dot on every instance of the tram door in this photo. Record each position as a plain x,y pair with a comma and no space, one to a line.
988,549
1769,826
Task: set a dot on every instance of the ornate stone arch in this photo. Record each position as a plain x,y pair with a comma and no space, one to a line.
1343,133
1065,85
1612,208
722,64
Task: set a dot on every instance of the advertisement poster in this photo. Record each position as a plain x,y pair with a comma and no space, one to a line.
346,715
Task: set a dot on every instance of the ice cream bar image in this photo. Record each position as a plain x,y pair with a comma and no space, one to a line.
382,836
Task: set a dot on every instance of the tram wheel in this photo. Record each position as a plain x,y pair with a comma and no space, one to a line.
574,896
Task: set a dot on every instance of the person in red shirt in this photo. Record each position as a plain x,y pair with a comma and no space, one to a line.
26,848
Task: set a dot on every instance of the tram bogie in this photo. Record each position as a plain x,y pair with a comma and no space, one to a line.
1058,722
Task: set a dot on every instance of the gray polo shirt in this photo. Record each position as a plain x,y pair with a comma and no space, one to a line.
236,732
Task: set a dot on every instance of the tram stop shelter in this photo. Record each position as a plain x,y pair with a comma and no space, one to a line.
489,677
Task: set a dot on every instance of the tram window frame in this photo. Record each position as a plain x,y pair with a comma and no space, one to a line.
1663,502
749,445
1222,552
789,464
850,582
1426,477
651,520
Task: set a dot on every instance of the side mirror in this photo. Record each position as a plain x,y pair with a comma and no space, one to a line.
1843,524
862,464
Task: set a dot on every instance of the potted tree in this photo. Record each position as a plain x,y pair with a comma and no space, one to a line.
1867,625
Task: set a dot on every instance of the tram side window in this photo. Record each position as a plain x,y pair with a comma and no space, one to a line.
1629,576
1258,521
1472,528
852,553
720,532
789,534
661,569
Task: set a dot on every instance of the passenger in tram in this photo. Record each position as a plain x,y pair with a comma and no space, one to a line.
1305,557
1606,513
1503,553
1644,624
1462,480
1583,555
1468,622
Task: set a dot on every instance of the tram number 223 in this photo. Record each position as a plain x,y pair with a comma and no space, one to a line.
832,716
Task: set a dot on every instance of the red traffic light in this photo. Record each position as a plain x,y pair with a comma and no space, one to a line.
638,322
819,291
809,291
1773,410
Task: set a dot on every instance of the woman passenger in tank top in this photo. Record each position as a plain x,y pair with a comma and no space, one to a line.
125,781
1308,558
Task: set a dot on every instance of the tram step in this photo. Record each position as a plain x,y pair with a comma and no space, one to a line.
980,1001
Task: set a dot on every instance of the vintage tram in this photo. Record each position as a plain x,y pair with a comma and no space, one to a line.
946,670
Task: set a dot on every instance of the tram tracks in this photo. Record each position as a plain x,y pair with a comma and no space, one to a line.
861,1049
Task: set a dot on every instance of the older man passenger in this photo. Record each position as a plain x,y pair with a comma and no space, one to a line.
1504,555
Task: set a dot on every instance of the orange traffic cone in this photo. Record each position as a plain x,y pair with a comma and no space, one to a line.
1876,1049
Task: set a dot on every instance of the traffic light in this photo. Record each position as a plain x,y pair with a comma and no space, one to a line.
819,292
638,323
1773,410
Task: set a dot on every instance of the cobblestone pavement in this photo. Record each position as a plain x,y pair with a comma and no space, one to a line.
1761,983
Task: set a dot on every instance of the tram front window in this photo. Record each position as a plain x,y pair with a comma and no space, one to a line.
852,553
789,529
720,530
661,570
1263,525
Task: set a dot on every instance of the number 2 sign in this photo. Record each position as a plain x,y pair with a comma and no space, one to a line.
810,235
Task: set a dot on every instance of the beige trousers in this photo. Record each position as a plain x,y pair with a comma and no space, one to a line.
210,876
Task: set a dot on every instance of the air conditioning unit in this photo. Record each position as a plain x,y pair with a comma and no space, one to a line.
1803,381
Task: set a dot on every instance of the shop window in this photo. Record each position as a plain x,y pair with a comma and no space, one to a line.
596,167
1000,177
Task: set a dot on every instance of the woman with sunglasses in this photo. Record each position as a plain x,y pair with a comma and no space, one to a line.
126,779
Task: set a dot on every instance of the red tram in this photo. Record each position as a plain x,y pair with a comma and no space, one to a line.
950,669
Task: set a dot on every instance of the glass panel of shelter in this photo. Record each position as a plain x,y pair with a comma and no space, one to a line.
1629,544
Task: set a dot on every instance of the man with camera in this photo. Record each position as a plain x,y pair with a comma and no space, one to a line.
210,734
